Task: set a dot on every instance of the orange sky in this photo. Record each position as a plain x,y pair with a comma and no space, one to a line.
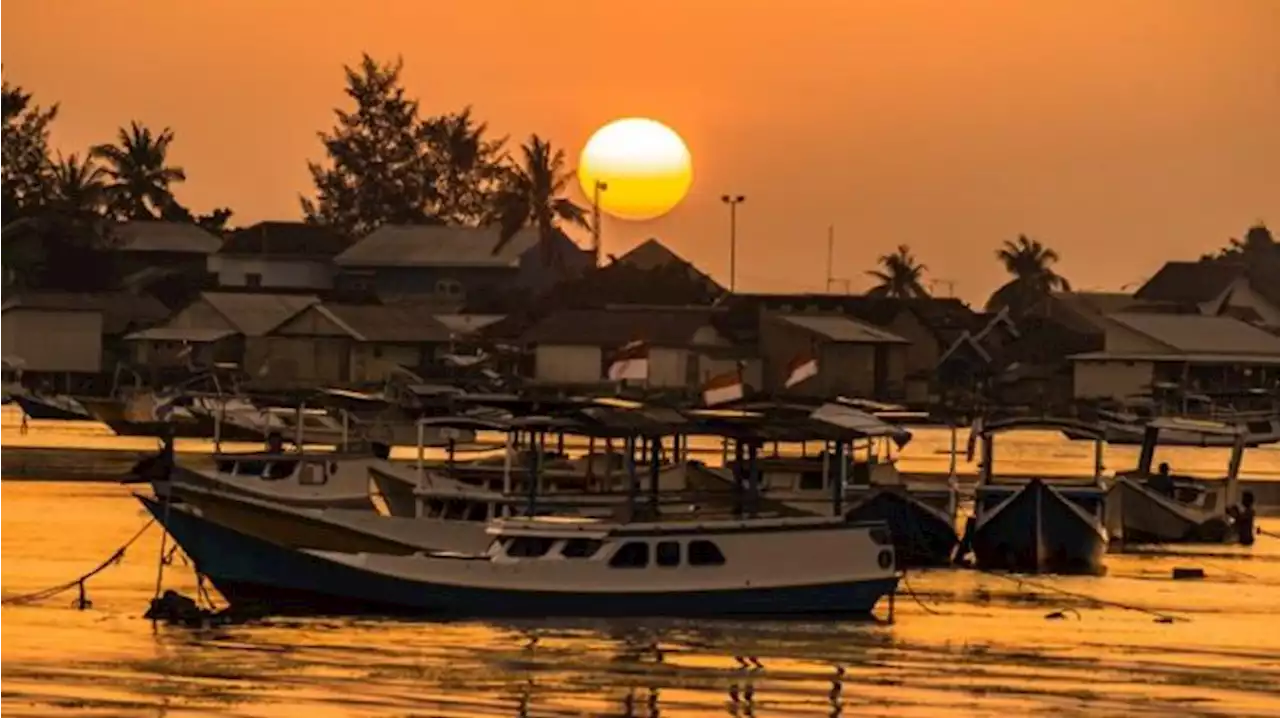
1121,132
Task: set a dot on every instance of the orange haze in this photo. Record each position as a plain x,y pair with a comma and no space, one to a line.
1119,133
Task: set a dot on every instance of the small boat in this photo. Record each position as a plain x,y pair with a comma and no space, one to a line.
1038,524
1144,507
50,407
1129,429
561,567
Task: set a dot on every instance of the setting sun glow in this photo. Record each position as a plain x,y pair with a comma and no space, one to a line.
644,165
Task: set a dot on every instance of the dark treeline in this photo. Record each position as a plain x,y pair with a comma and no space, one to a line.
384,163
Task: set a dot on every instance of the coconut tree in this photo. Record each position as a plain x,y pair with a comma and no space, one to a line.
140,174
76,186
900,275
1031,265
533,196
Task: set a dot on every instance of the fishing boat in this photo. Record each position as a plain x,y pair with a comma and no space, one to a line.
50,407
1125,428
921,516
561,567
1146,507
1038,523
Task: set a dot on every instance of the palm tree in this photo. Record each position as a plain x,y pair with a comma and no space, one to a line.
77,186
1030,263
900,276
532,197
139,171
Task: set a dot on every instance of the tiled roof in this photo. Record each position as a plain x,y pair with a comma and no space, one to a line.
381,323
160,236
842,329
657,326
436,246
181,334
1190,282
286,239
121,311
253,315
1197,334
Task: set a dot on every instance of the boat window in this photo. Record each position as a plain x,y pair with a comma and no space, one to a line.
705,553
312,475
811,481
529,546
633,554
667,553
478,512
455,510
581,548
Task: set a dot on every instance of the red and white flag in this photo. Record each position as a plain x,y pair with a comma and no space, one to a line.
630,362
801,368
723,388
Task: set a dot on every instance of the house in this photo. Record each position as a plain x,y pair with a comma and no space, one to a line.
1198,352
855,358
930,325
74,332
575,346
455,264
218,327
279,256
353,343
1216,288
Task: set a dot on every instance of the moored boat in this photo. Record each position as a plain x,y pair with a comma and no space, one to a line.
50,407
1145,507
545,567
1040,523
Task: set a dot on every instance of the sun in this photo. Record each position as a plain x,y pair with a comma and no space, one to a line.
644,165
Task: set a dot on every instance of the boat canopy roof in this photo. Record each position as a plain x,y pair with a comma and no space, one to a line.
578,527
1197,426
1076,427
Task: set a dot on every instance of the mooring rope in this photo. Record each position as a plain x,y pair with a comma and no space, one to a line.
1022,580
82,602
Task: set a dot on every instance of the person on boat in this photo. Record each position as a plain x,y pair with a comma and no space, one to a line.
276,469
1242,517
1162,482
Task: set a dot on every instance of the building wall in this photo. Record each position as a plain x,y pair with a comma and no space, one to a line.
377,362
199,315
848,369
1098,379
232,271
48,340
293,358
169,353
568,364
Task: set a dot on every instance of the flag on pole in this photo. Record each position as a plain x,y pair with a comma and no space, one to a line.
723,388
804,366
630,362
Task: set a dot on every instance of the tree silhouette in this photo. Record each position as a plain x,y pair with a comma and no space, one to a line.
138,167
532,196
1258,243
466,167
378,172
76,186
1031,264
25,171
900,275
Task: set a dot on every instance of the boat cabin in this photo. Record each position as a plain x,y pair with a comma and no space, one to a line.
1086,491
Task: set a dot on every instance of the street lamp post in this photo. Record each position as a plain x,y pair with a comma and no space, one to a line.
600,186
733,201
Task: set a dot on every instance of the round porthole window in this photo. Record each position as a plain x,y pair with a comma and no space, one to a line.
885,558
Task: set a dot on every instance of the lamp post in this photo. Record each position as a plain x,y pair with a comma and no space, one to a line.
733,201
600,186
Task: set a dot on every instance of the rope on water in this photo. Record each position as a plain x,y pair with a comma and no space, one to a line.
82,602
1023,581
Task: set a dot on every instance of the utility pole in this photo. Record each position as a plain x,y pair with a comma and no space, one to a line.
600,186
733,201
831,261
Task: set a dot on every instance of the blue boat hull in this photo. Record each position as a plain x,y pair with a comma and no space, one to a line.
261,578
920,537
1039,531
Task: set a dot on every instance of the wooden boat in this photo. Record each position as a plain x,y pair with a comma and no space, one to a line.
50,407
1126,428
1145,508
556,567
921,516
1038,524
